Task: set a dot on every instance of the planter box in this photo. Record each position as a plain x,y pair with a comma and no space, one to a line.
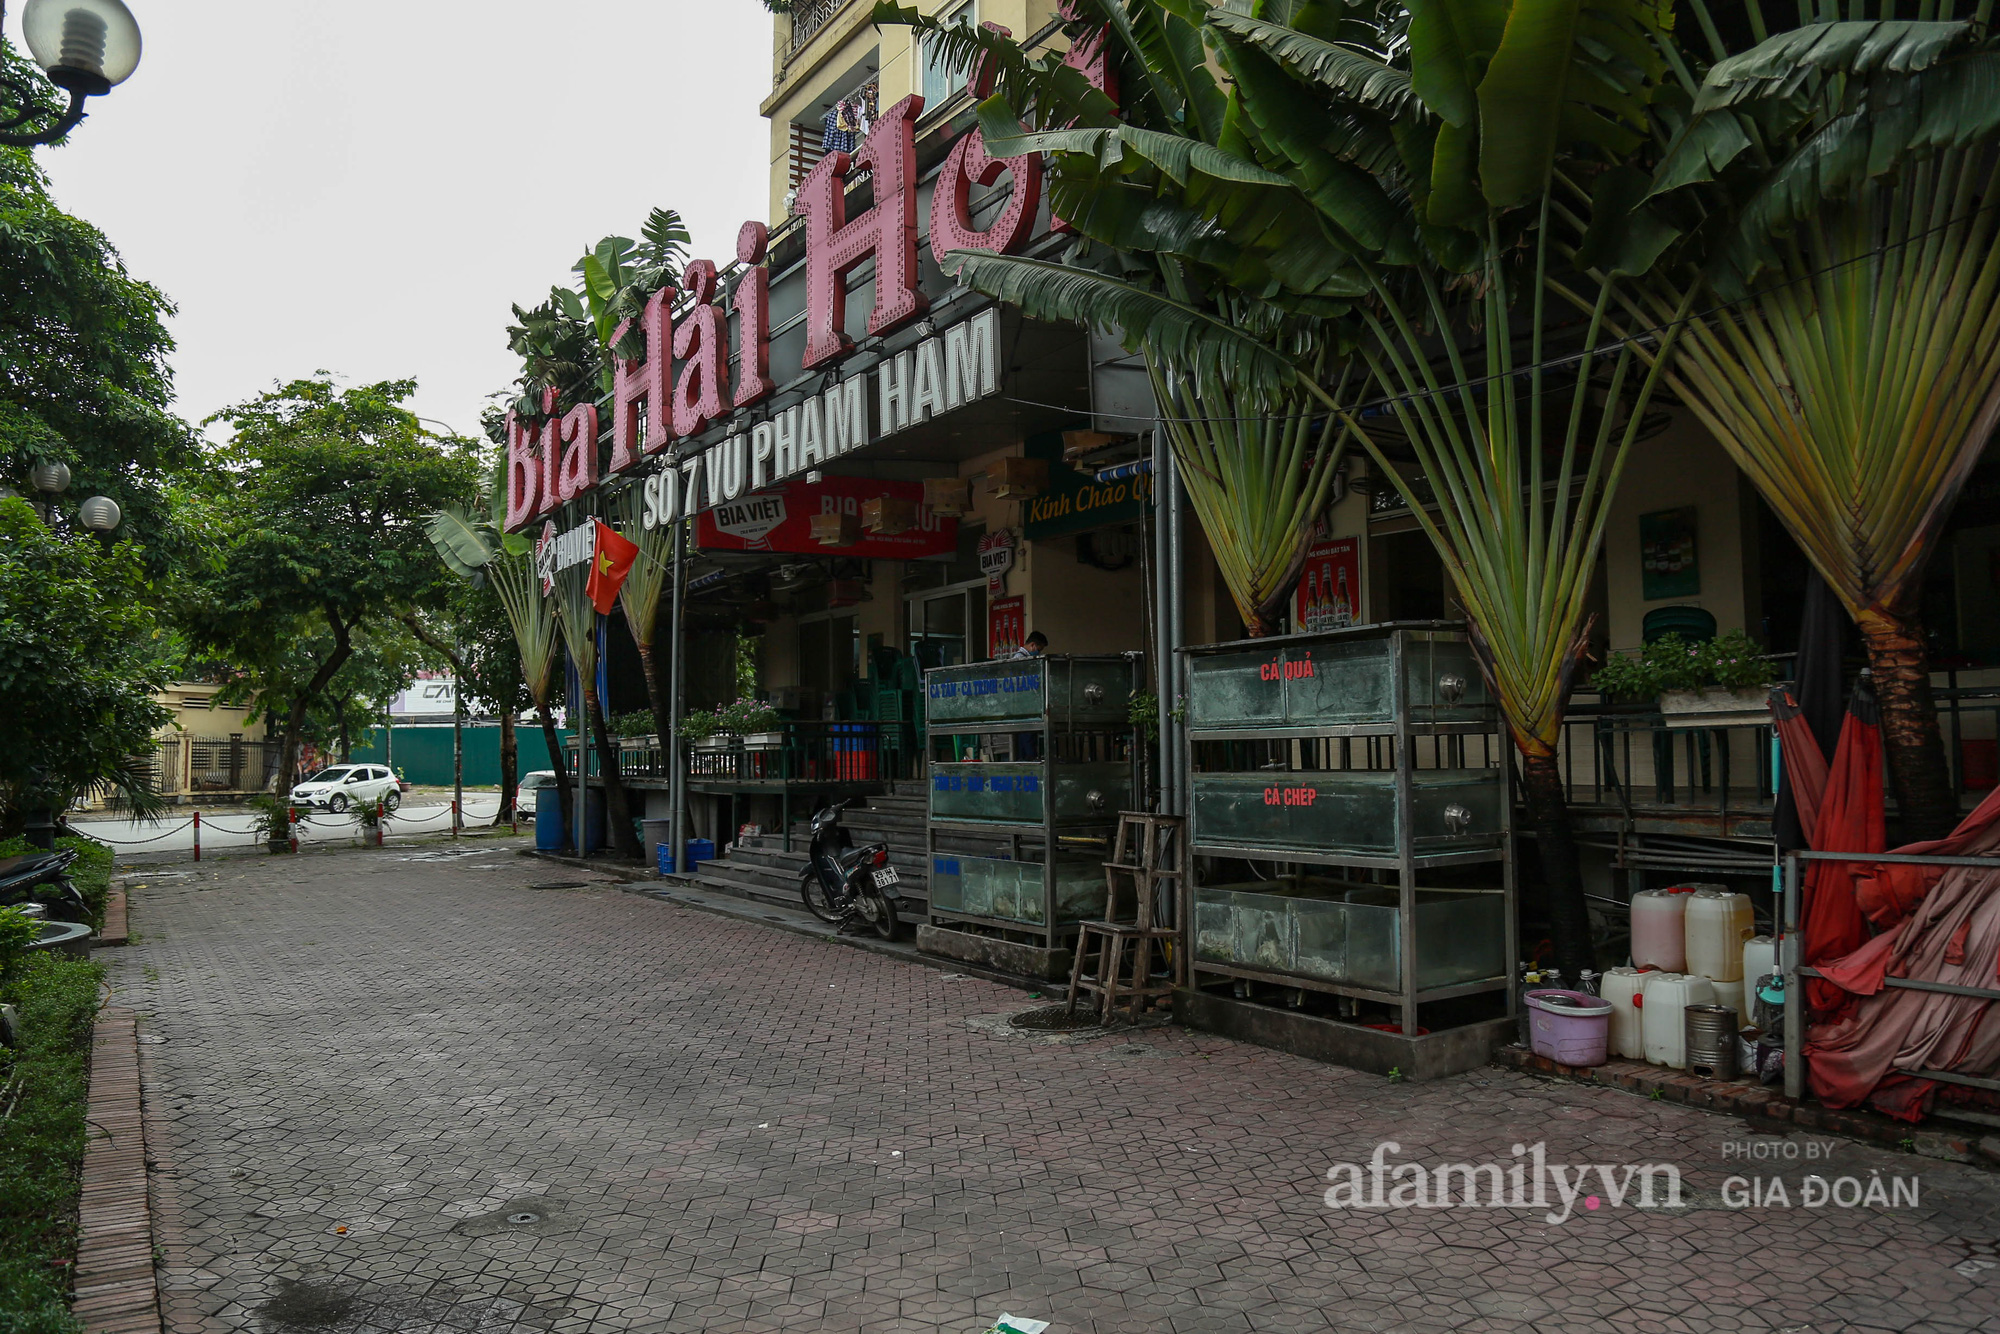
714,743
1716,707
764,741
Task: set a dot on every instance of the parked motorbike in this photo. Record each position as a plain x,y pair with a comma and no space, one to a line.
43,877
852,887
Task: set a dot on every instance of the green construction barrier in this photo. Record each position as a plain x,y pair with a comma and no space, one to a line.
422,755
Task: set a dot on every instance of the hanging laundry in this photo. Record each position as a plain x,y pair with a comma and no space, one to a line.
832,138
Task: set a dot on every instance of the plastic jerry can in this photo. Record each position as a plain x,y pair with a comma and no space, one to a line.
1659,928
1663,1013
1718,923
1760,956
1620,988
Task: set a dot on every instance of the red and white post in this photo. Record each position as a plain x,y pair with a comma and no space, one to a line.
197,835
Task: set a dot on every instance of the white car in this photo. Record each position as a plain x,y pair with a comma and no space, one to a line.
346,785
532,786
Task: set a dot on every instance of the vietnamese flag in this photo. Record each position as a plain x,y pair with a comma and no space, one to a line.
610,561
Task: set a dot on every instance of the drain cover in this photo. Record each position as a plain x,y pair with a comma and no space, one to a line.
524,1218
1054,1019
560,884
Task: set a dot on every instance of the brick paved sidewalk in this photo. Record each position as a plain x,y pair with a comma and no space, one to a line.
718,1126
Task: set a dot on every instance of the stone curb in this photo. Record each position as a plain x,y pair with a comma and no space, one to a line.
115,1288
115,931
1741,1098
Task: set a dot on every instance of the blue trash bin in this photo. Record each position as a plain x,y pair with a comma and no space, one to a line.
548,822
550,833
699,850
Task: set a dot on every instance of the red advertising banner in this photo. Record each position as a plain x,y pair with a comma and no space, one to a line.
1006,625
780,519
1329,591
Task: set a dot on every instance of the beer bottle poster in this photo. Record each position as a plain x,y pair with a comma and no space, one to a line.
1329,592
1006,625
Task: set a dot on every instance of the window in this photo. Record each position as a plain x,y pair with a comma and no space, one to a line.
941,83
197,702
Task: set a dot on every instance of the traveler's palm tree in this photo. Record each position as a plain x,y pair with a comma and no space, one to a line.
1384,175
1837,192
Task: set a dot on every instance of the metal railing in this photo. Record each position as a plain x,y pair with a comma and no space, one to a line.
793,752
1638,760
1794,968
809,17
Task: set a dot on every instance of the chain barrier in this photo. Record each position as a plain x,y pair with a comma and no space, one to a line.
133,842
389,822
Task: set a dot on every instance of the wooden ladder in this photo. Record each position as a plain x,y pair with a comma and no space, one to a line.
1114,959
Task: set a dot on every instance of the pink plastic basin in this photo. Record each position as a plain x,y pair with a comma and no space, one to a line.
1569,1026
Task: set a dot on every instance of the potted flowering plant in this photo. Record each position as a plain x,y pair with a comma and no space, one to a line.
1714,683
752,721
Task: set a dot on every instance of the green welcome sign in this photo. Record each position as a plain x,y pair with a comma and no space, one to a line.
1077,501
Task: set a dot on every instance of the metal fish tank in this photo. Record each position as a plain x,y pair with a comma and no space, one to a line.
1348,934
1070,691
1364,677
1029,792
1329,812
1005,890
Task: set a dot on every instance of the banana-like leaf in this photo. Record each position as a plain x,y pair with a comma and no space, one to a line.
1700,151
1781,63
1179,158
1449,42
1169,330
465,544
1521,100
1352,76
1955,105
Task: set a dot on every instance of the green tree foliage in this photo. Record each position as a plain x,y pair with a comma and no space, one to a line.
316,509
81,654
83,362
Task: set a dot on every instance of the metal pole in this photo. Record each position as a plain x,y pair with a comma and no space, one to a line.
457,749
1176,617
1163,658
197,835
1795,1000
677,696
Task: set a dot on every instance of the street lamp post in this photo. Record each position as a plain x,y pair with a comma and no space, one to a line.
49,479
87,48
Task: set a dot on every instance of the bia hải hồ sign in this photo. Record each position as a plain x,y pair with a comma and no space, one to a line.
654,405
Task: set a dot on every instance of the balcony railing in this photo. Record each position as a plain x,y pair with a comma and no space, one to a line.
795,753
808,17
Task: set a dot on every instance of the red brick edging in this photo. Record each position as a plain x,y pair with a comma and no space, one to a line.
1747,1099
115,1289
114,932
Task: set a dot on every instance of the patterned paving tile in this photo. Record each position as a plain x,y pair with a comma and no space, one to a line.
722,1127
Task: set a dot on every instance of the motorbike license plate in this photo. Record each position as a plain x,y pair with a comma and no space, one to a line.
886,877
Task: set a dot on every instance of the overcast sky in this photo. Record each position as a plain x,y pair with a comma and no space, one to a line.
364,187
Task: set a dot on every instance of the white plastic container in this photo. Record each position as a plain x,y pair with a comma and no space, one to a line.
1760,956
1659,929
1731,994
1663,1014
1718,922
1620,990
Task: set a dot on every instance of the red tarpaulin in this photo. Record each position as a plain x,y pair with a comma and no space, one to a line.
1937,924
1848,819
